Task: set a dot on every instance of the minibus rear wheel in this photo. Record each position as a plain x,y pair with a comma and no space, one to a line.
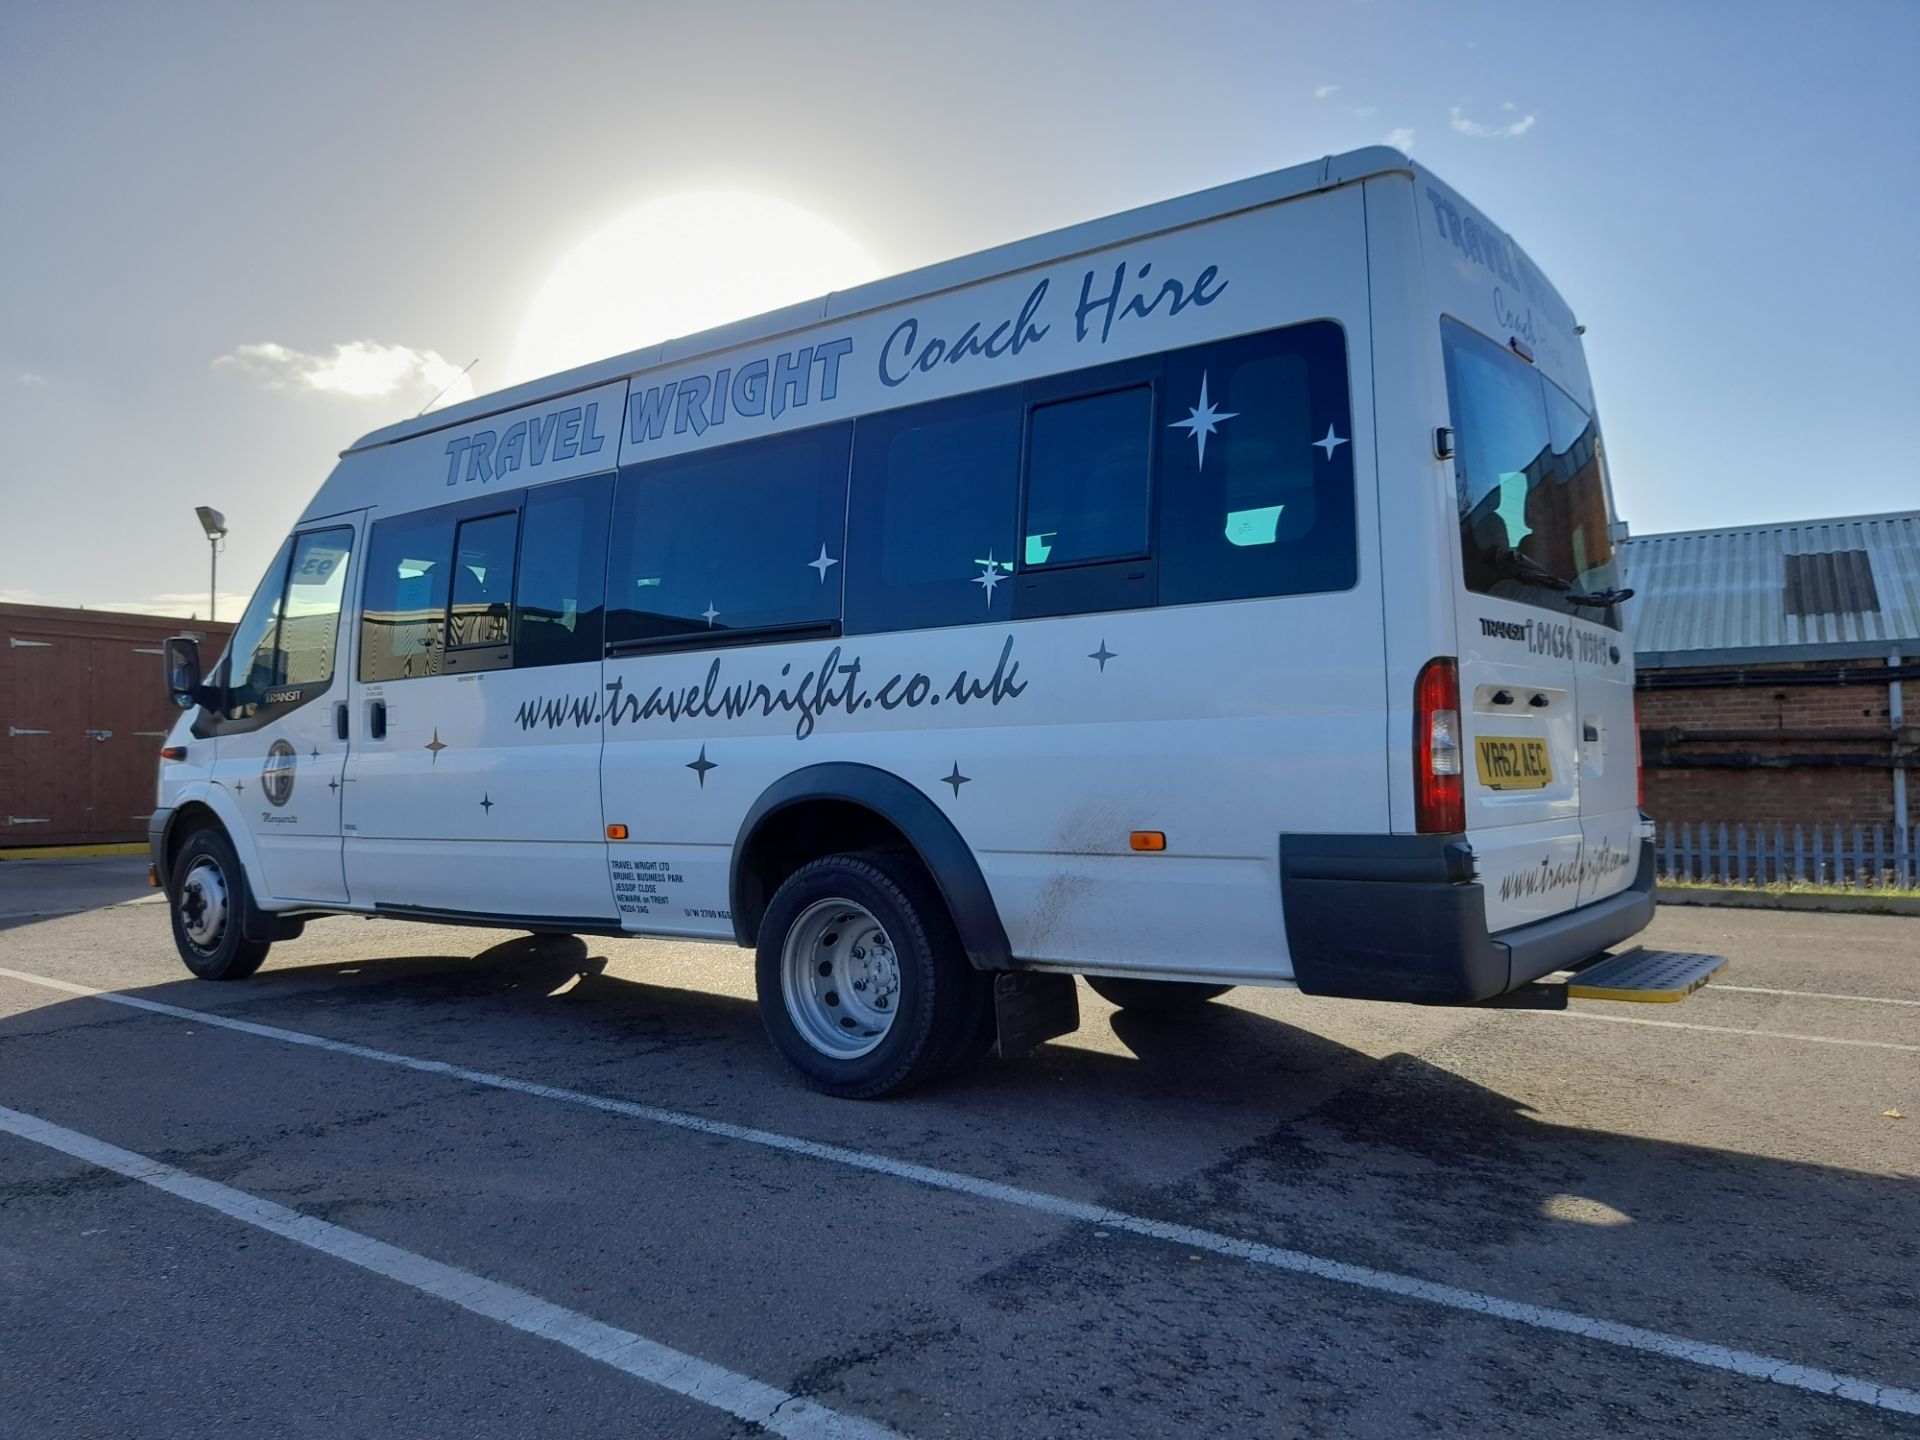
863,984
1153,997
210,899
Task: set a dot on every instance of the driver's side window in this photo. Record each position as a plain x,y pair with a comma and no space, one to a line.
252,655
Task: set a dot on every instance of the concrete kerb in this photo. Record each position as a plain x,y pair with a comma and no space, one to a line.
1737,898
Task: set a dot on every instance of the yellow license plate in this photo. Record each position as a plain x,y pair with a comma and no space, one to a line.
1512,764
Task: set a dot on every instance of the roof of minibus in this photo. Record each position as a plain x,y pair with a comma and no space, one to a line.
1327,173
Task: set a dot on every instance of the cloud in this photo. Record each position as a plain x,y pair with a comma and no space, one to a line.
360,368
1400,138
1320,92
1367,112
1465,126
33,381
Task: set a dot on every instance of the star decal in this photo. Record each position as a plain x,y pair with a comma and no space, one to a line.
1102,655
1202,420
956,779
486,803
710,614
1330,444
823,564
333,784
316,752
436,745
239,785
989,576
701,766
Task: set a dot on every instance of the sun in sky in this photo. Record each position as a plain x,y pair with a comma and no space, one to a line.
681,264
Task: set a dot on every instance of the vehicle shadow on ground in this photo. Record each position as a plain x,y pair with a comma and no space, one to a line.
1220,1117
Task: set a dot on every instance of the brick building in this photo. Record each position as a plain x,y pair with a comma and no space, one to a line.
1779,672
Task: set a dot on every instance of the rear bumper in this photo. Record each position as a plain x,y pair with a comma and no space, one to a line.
1400,917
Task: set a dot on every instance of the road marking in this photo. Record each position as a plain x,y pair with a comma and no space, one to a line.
1814,994
1728,1030
1451,1297
685,1375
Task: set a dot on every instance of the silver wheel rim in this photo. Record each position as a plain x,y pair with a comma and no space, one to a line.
203,904
840,978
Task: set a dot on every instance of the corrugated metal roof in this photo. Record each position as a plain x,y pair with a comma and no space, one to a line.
1754,587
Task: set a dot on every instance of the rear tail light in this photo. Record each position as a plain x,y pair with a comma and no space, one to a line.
173,752
1439,789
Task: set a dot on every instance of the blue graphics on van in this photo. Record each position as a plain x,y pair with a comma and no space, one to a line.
770,385
1492,252
560,434
766,386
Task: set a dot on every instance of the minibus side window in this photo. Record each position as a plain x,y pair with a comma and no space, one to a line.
1089,468
932,514
748,538
482,609
403,610
1256,465
559,599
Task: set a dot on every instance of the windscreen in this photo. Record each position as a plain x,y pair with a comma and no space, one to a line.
1535,522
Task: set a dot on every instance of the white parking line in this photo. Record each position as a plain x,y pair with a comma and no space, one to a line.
1812,994
1568,1322
1722,1029
685,1375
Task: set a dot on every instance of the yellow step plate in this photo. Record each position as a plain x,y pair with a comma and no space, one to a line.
1657,976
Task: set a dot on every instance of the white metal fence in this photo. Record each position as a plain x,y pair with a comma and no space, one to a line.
1859,857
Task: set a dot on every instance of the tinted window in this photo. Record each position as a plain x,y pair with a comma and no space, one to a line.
482,609
1534,519
745,537
252,653
931,522
310,627
563,571
1088,471
1257,473
403,611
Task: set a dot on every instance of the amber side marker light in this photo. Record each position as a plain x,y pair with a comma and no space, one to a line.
153,876
616,832
1148,840
173,752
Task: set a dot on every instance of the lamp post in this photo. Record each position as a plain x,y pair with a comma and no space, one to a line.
215,524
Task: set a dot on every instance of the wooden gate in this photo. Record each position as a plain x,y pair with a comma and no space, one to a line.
83,713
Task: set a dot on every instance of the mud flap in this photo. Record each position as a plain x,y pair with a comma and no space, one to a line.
1030,1007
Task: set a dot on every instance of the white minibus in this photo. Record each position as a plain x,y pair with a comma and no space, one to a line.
1222,593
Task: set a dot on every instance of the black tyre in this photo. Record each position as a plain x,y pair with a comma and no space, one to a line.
209,902
1153,997
863,984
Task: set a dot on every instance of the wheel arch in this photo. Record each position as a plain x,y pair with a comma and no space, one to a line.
203,805
827,808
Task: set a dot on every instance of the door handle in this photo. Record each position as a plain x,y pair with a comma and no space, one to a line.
99,734
376,720
340,721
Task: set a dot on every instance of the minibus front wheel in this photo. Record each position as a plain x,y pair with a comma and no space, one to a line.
210,902
863,983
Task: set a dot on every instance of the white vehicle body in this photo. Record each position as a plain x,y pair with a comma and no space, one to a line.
1236,670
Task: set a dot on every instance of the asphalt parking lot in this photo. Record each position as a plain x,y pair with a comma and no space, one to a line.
422,1181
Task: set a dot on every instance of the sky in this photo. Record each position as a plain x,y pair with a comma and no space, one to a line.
234,238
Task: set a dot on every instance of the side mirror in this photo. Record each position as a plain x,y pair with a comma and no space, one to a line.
183,671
